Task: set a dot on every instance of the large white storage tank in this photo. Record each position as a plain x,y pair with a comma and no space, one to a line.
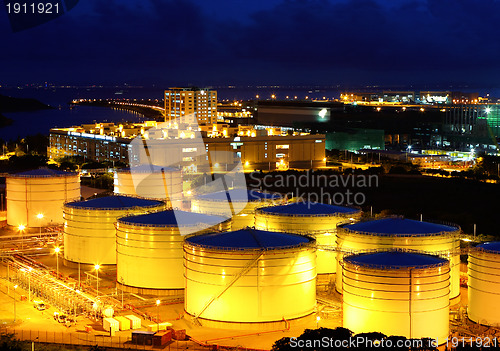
242,201
150,181
149,254
249,277
89,226
35,198
397,293
319,220
398,232
484,284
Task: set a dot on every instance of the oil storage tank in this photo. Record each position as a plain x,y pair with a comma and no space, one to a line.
150,181
35,198
317,219
399,232
89,226
240,204
149,254
249,278
484,284
397,293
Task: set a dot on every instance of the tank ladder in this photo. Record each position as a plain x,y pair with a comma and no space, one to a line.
244,271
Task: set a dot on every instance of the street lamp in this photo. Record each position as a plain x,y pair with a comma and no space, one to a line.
96,267
57,249
40,217
318,318
158,315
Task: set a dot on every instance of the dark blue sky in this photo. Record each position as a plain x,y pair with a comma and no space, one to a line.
324,42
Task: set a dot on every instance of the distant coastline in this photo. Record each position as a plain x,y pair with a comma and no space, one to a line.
10,104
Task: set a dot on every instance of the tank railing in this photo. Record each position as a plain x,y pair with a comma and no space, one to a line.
402,268
70,174
200,225
67,203
235,278
457,230
447,234
311,243
441,253
134,208
375,265
482,249
262,212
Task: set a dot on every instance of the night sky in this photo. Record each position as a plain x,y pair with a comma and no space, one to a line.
324,42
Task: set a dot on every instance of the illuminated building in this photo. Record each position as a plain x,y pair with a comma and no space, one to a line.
186,102
257,148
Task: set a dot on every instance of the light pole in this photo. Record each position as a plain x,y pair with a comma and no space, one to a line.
158,315
40,217
318,318
15,287
57,249
96,267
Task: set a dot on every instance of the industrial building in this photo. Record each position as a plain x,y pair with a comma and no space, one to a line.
295,113
355,139
249,278
401,233
89,226
411,97
260,149
397,293
239,204
484,284
149,249
65,142
316,219
199,105
35,198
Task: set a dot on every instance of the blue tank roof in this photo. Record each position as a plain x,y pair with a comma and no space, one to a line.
43,173
399,226
493,246
249,239
239,195
395,259
170,218
114,202
309,208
